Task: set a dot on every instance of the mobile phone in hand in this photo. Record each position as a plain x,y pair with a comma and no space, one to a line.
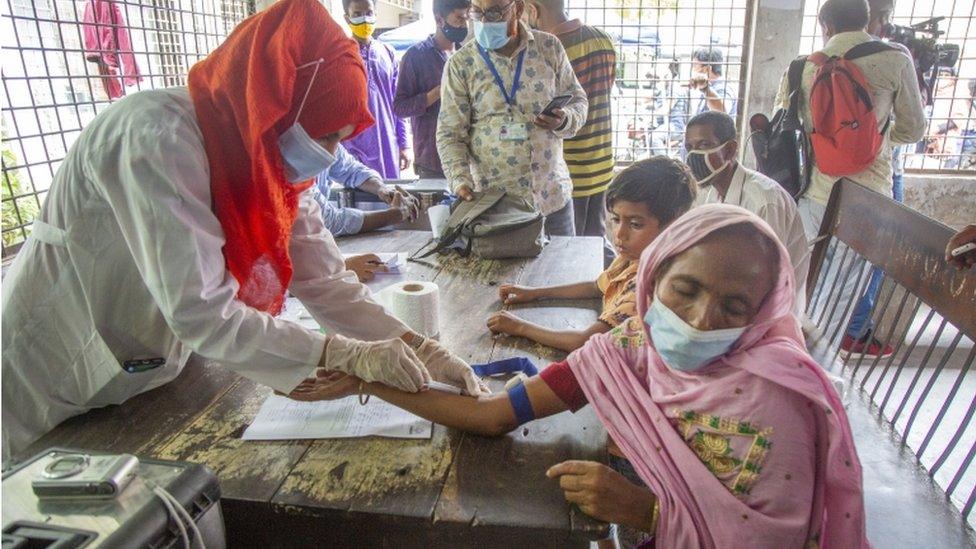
557,102
956,252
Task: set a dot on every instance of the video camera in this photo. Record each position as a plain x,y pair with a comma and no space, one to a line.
927,53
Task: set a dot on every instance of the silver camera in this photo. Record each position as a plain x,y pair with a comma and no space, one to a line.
85,476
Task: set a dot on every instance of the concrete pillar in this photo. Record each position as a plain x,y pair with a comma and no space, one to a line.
948,198
773,41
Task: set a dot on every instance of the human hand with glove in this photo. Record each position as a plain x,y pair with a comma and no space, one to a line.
390,362
446,367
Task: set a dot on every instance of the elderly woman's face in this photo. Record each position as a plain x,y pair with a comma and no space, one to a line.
719,283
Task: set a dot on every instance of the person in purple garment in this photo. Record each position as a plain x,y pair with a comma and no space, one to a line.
383,147
418,90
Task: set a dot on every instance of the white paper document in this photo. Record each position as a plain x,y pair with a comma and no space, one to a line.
281,418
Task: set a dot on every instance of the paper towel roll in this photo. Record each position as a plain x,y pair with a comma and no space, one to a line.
416,304
438,218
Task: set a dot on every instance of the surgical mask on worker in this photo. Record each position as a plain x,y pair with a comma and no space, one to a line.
491,35
682,346
454,34
303,157
701,165
362,27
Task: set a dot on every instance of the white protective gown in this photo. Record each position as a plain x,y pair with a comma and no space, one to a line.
125,263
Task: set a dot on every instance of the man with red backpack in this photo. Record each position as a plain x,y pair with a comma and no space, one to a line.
858,97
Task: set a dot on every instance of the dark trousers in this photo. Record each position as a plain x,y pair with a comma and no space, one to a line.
591,220
560,222
425,173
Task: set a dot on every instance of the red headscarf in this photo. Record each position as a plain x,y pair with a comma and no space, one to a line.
246,94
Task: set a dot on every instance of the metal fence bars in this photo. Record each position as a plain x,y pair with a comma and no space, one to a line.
65,61
925,311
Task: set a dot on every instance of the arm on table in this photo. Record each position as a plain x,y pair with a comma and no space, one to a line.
491,416
381,218
565,340
513,293
405,205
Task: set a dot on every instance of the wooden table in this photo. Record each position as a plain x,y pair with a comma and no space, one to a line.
454,490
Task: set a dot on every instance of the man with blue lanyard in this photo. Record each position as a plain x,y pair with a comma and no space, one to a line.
491,131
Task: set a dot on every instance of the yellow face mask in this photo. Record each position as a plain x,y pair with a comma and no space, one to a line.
362,27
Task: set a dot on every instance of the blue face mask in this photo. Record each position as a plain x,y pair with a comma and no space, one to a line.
682,346
304,158
491,36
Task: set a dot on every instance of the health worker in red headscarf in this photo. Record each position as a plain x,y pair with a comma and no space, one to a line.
177,222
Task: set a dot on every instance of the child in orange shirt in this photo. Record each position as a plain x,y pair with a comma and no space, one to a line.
642,200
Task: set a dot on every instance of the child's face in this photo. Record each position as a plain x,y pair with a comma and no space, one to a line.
632,228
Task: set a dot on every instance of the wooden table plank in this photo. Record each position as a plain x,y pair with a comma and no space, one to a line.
487,484
248,470
145,421
402,477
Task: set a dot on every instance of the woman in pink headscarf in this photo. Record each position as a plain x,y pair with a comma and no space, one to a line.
738,435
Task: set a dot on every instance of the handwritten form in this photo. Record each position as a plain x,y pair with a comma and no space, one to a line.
281,418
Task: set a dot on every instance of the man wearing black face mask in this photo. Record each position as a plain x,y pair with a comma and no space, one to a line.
711,145
418,90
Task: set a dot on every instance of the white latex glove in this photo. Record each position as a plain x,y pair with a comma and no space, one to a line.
390,362
446,367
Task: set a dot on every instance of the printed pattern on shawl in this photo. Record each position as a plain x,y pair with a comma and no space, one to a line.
629,334
733,450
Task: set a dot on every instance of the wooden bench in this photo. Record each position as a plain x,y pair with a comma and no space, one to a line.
454,489
911,412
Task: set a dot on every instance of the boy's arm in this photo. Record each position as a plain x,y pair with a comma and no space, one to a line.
575,290
564,340
513,293
491,416
504,322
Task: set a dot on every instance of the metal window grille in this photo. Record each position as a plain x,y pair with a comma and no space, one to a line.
51,91
655,41
949,144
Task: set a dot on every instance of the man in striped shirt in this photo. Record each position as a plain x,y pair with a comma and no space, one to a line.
589,155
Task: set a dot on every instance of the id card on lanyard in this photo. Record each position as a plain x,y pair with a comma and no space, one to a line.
510,130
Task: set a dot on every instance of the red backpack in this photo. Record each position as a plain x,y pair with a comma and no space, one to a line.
845,136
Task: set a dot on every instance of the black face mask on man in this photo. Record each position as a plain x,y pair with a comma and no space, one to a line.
702,166
454,34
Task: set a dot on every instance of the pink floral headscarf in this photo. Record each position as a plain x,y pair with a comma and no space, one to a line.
810,494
